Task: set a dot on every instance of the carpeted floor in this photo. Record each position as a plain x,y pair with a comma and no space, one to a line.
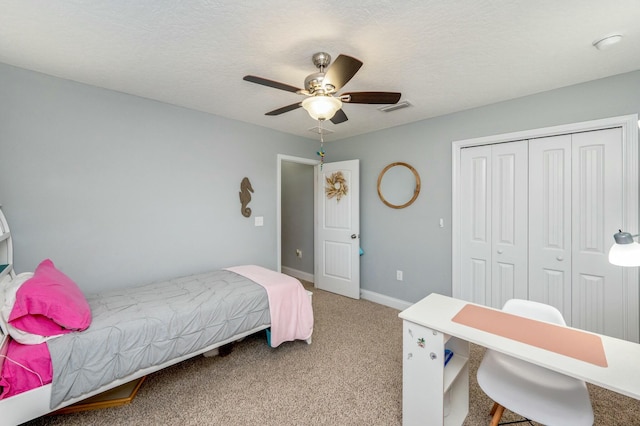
350,375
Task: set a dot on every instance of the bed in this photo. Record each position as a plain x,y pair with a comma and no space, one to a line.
133,332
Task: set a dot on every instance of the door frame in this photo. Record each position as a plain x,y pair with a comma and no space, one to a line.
291,159
628,124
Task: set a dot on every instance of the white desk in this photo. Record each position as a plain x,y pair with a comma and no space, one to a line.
436,395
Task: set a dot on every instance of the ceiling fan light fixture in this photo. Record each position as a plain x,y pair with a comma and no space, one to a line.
321,107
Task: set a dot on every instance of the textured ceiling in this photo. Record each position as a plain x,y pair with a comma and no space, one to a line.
444,56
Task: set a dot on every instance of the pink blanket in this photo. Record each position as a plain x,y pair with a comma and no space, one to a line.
289,304
25,367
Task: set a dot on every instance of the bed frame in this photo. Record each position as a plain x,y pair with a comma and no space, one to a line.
35,403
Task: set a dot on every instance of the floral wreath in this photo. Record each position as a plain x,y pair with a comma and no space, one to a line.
336,186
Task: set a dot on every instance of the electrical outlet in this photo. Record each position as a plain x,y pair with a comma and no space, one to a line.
299,253
399,275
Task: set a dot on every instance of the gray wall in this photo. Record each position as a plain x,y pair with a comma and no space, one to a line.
411,239
297,216
119,190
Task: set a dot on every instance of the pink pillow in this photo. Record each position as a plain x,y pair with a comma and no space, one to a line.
50,303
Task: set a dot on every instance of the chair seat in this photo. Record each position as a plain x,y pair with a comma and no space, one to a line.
535,392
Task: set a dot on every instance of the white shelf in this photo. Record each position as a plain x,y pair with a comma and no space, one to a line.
452,370
6,249
433,394
456,417
6,271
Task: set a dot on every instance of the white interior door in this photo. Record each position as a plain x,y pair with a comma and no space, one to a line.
337,240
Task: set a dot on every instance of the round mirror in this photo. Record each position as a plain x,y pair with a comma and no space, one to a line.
398,185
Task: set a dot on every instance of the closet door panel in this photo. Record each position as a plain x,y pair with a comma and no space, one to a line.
591,314
550,222
475,224
509,222
597,293
504,282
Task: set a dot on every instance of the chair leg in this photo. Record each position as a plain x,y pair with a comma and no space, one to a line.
494,408
496,412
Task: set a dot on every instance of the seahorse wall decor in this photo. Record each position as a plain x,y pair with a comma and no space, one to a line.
245,197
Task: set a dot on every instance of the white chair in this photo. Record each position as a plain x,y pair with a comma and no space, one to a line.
529,390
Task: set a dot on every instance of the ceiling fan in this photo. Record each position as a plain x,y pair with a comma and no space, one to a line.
322,102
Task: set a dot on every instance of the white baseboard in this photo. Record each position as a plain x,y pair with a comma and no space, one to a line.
305,276
365,294
385,300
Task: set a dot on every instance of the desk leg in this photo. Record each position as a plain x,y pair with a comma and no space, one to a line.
429,396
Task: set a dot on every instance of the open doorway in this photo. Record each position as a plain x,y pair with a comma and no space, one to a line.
295,206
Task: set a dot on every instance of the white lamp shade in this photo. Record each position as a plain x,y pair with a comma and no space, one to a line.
322,107
625,254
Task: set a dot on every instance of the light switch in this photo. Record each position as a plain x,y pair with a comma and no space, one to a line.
259,221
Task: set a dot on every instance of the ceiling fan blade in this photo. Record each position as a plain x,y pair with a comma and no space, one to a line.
372,97
284,109
342,70
339,117
270,83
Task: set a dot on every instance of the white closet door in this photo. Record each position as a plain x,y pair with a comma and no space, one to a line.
509,275
493,223
550,222
581,187
598,296
475,224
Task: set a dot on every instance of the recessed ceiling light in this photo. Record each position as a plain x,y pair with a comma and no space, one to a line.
607,42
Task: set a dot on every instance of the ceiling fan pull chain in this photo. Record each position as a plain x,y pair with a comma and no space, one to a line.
321,152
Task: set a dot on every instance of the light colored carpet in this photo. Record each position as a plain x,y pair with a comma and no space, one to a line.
350,375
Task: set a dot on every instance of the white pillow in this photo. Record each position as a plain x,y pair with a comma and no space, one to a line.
10,289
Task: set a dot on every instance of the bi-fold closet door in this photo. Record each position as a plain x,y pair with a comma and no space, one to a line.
493,223
576,199
536,219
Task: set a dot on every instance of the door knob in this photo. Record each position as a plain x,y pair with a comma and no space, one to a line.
560,258
354,236
500,251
